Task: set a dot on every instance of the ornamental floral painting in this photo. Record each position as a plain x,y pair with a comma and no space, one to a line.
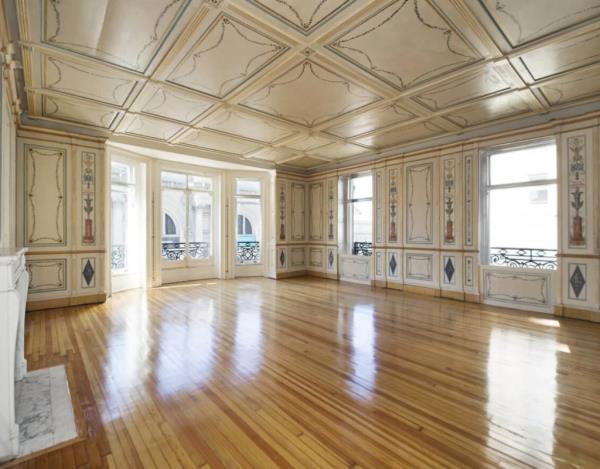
88,197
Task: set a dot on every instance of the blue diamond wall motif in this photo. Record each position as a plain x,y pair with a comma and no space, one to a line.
393,264
282,258
88,272
577,281
449,269
331,258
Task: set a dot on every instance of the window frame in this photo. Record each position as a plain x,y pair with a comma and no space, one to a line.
187,261
259,197
348,212
485,187
125,187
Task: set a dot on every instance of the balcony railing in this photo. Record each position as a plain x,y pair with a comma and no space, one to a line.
118,257
524,257
172,251
362,249
248,252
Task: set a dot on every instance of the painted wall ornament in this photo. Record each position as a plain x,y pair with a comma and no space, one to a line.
577,173
393,205
88,196
449,195
282,211
330,211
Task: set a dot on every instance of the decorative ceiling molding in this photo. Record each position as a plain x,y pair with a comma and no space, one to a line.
333,95
225,57
524,21
425,44
333,83
67,24
304,16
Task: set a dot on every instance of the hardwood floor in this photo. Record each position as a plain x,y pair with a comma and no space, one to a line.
315,373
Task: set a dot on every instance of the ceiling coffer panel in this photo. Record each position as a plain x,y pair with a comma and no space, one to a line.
172,104
405,43
123,33
404,134
486,81
214,141
562,56
369,121
569,89
331,95
79,112
303,15
522,21
225,57
153,128
248,126
498,107
95,83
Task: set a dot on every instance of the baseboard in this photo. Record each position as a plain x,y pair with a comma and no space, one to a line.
472,298
577,313
326,275
453,295
296,273
428,291
64,302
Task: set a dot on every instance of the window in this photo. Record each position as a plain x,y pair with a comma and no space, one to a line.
356,229
187,207
248,193
123,215
519,209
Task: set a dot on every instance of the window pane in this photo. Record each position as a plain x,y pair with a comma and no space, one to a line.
173,206
123,173
122,205
523,165
200,211
362,222
200,183
249,232
247,187
361,187
173,180
523,217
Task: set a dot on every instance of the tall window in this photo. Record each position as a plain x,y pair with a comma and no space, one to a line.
187,211
248,193
123,215
356,228
519,209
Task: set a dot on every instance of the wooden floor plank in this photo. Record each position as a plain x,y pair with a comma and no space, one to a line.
314,373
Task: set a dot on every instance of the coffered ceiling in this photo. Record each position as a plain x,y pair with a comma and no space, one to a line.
302,83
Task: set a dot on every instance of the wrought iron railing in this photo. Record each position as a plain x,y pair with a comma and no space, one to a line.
118,257
173,251
524,257
248,252
361,248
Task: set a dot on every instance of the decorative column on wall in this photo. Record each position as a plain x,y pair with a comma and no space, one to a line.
331,225
578,250
451,209
379,225
392,260
470,172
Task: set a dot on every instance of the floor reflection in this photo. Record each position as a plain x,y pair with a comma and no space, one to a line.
247,355
522,388
364,363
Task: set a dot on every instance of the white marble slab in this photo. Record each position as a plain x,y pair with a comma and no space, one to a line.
44,410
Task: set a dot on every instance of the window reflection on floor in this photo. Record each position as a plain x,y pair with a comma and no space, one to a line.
248,334
363,351
522,388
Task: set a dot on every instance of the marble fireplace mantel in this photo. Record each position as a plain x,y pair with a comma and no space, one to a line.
14,281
